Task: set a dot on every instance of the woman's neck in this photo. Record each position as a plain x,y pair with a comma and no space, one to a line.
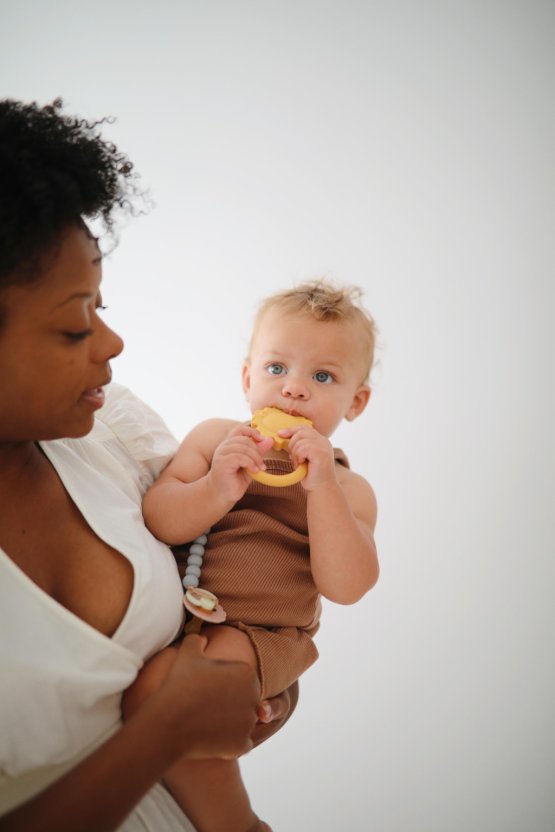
16,459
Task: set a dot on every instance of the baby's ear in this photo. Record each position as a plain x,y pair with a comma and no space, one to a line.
246,377
360,400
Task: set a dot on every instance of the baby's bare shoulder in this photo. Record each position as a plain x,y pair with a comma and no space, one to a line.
210,432
351,478
359,493
217,425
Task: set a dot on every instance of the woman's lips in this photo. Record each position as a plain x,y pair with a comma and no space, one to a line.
94,397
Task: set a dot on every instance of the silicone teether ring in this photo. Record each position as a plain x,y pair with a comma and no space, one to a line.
269,421
281,480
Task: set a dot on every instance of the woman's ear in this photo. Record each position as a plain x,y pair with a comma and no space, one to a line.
246,378
360,400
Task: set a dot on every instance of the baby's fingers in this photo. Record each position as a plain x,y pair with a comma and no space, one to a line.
246,430
242,446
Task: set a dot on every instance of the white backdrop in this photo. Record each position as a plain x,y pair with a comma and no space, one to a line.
406,147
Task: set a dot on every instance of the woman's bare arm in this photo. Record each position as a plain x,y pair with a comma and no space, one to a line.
204,709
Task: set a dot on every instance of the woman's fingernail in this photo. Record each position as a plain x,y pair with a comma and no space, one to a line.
265,712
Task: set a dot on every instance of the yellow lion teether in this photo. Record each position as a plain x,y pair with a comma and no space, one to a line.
268,422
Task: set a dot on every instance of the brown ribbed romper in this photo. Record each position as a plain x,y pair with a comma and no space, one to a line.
257,562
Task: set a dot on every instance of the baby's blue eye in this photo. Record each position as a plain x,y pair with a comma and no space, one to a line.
276,369
323,377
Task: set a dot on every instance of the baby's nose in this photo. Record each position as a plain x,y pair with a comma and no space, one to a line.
295,389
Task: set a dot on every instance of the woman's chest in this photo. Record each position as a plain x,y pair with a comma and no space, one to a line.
48,538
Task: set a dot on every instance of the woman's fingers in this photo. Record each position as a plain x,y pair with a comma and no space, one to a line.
213,702
274,713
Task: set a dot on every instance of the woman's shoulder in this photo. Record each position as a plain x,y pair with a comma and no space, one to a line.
133,421
134,432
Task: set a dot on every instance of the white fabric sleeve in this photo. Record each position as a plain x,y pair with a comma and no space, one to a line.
146,444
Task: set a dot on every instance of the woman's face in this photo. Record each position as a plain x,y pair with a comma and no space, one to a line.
54,347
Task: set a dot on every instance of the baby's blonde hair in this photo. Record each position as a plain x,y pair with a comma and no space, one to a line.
326,302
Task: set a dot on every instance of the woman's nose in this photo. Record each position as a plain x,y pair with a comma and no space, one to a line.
108,343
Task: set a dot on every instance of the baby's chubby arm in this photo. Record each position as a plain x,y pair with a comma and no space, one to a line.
204,480
341,510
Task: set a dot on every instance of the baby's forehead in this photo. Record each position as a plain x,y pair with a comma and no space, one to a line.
287,328
321,341
302,318
339,327
347,323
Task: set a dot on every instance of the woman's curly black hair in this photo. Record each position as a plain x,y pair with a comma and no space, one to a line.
55,170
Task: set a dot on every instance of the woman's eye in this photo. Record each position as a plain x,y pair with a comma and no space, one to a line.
322,377
276,369
78,336
81,334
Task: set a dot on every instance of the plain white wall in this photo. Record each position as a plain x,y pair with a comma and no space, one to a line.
406,147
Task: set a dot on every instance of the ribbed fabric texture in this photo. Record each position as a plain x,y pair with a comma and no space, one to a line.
257,562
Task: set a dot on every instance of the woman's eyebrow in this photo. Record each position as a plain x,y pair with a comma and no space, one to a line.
75,296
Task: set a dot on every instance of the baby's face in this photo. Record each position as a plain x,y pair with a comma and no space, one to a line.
306,367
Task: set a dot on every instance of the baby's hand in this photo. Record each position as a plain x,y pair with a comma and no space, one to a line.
307,445
240,451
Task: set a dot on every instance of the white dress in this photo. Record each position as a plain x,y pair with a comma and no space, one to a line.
61,680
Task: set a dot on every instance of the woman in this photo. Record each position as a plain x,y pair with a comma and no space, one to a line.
86,593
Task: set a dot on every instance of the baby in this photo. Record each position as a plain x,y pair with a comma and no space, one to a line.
272,552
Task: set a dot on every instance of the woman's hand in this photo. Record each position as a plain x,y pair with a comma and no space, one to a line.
274,713
203,708
208,705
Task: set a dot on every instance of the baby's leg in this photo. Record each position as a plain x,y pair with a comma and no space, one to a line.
212,795
210,792
229,643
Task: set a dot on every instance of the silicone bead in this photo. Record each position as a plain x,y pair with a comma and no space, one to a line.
194,561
